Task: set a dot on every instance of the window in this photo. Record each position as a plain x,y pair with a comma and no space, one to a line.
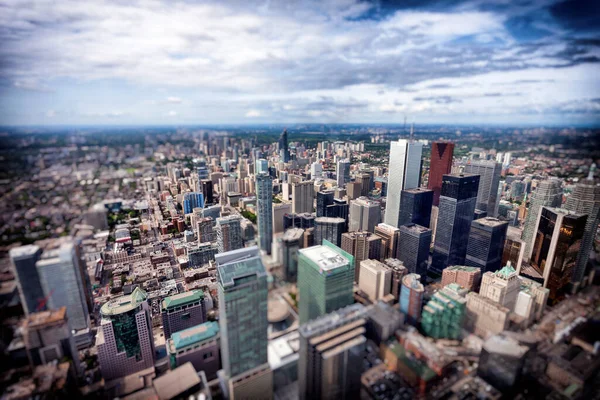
207,355
185,316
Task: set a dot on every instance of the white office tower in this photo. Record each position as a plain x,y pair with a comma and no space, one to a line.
375,279
342,172
365,215
316,170
404,173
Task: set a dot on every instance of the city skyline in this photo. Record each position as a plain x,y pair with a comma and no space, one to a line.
305,62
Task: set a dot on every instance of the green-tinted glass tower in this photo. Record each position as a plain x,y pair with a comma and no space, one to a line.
325,277
443,316
243,321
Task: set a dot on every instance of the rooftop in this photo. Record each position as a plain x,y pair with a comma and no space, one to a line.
24,251
506,272
325,258
182,298
174,383
46,317
463,268
501,344
491,222
124,304
193,335
413,281
246,264
414,228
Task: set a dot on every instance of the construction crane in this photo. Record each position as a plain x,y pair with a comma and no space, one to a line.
43,301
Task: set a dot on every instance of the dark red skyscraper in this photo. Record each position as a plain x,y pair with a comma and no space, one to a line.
440,165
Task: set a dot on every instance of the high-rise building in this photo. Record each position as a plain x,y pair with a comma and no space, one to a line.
375,279
548,194
365,183
485,317
404,173
338,209
362,246
243,291
192,200
342,172
354,190
330,356
415,207
304,221
585,199
330,229
291,242
411,297
262,166
264,208
514,248
467,277
206,187
199,345
398,272
444,314
457,205
502,361
229,233
204,229
324,199
316,170
60,272
201,254
487,195
557,242
440,165
284,151
502,286
413,248
325,279
182,311
486,244
389,240
365,214
279,210
124,339
302,197
23,260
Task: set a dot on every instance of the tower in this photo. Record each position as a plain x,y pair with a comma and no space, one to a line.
414,242
264,206
415,207
440,165
342,172
23,260
229,233
487,195
486,244
365,214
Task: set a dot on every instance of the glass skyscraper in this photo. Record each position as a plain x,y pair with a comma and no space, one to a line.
264,206
440,165
192,200
30,289
486,244
457,205
487,195
243,293
415,207
547,194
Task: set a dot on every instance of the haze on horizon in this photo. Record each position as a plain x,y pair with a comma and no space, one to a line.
336,61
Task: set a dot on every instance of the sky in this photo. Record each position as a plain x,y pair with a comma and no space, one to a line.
330,61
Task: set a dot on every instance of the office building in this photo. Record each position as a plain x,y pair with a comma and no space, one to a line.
279,210
486,244
363,246
398,272
457,205
404,173
354,190
364,179
284,151
585,199
547,194
514,248
213,212
201,254
411,297
291,242
375,279
467,277
192,200
531,301
444,314
264,211
229,233
330,229
338,209
342,172
556,245
440,165
23,261
199,345
413,248
60,272
243,291
182,311
485,317
302,197
316,170
365,214
47,337
502,362
331,354
325,279
206,188
389,240
415,207
124,339
487,194
304,221
324,199
502,286
384,320
262,166
204,230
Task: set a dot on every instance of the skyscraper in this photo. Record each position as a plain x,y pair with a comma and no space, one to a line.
325,278
440,165
192,200
363,246
486,244
182,311
206,187
124,339
457,205
229,233
375,279
242,286
557,243
365,183
302,197
514,248
291,243
547,194
330,229
585,199
331,354
28,281
411,297
415,207
444,314
264,208
279,210
389,240
324,199
284,151
414,242
342,172
404,173
487,195
365,214
262,166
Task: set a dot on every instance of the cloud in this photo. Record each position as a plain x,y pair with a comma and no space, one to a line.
172,113
253,114
174,100
51,113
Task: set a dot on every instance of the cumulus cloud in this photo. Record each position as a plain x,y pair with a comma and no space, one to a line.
253,114
174,100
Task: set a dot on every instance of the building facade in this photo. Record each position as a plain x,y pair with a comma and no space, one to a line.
199,345
330,229
414,242
415,207
411,297
440,165
23,260
365,214
486,244
264,208
229,233
182,311
487,194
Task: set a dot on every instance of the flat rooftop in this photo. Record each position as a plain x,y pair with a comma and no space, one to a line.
324,257
46,317
491,222
182,298
193,335
124,303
